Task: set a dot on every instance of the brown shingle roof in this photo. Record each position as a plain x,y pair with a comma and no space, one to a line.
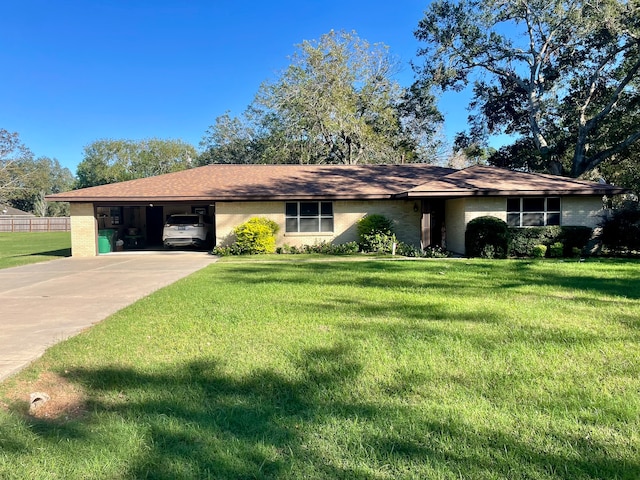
263,182
6,210
485,180
274,182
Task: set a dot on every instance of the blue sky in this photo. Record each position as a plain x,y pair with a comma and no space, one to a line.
77,71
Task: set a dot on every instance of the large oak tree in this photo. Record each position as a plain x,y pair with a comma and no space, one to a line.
110,161
337,102
561,76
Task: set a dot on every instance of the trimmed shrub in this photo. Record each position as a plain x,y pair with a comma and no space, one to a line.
374,223
376,234
324,248
524,240
556,250
487,237
539,251
406,250
435,252
256,235
574,238
378,242
226,251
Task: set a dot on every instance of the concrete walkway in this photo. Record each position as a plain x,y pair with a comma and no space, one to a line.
44,303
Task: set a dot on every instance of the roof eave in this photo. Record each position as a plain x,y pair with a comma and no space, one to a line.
213,198
502,193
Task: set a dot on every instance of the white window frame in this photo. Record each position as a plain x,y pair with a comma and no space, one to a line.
546,213
298,217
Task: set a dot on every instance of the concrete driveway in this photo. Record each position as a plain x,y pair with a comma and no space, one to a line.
44,303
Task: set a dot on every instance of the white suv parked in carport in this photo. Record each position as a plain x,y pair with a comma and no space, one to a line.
187,229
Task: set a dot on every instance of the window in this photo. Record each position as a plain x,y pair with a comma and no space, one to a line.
309,217
533,211
114,214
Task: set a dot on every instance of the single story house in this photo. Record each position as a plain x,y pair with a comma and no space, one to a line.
8,211
430,205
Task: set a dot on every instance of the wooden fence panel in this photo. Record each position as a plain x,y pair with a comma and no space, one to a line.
35,224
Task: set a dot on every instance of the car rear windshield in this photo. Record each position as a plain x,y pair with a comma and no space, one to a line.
183,220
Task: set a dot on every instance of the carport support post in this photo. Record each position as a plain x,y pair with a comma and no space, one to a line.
84,230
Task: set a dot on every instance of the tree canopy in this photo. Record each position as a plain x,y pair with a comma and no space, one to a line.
47,176
109,161
15,160
562,77
337,102
24,181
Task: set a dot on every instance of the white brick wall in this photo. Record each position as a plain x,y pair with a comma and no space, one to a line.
346,213
576,211
84,230
455,224
485,206
579,211
582,211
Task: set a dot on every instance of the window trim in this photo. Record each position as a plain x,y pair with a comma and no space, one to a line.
114,214
545,213
319,217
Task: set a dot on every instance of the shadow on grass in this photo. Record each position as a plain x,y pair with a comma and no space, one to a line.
197,421
459,276
62,252
440,286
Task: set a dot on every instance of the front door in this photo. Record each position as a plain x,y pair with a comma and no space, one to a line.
433,227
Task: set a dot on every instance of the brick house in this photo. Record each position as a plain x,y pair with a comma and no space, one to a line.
8,211
429,205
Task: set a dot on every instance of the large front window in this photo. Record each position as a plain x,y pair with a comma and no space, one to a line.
533,211
309,217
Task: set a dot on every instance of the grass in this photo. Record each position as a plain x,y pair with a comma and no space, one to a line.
378,369
24,248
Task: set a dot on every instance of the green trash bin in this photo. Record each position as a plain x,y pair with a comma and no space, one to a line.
106,240
104,245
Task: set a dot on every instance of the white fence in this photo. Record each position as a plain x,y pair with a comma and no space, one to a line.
35,224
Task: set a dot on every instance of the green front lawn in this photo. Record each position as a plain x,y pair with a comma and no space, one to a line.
23,248
380,369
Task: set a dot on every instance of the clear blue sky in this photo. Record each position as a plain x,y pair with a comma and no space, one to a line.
77,71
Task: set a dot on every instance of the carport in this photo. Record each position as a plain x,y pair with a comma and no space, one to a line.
135,210
139,226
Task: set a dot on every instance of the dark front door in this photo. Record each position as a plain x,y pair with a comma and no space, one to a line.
155,223
433,228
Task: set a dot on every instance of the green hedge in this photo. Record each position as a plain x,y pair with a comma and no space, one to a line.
621,232
487,237
523,241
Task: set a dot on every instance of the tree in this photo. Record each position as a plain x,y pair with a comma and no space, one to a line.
109,161
561,76
46,176
465,153
229,140
624,172
24,181
336,103
15,164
